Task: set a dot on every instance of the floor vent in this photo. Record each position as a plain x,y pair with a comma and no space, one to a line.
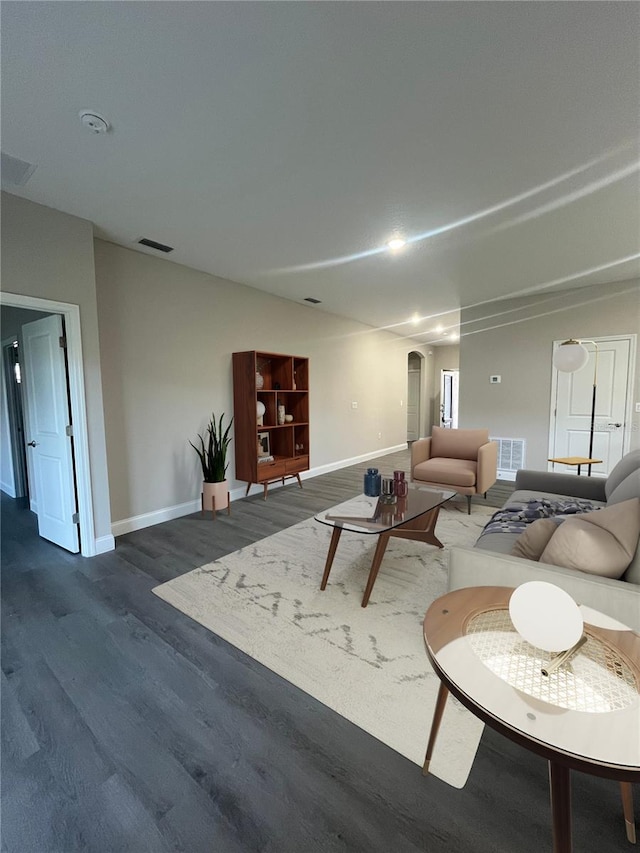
510,457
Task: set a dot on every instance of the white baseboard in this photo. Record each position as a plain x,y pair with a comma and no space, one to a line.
8,489
148,519
104,544
345,463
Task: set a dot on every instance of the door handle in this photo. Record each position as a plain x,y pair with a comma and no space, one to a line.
615,425
32,444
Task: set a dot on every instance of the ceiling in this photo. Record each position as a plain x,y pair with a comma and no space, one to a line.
281,145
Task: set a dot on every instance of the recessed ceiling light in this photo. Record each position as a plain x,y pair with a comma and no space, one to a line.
395,244
444,334
416,319
93,121
454,337
438,329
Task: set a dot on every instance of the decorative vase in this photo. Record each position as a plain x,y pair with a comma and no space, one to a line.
400,485
215,492
260,410
372,481
387,494
259,380
281,415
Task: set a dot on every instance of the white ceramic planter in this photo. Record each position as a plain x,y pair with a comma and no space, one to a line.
217,491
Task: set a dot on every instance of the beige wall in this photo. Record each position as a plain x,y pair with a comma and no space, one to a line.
167,334
514,339
49,255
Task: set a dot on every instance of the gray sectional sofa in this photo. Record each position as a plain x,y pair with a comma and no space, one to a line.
489,562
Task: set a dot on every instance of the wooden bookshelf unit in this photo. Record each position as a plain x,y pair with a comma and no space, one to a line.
285,382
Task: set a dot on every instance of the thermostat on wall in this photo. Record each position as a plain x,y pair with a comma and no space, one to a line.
495,380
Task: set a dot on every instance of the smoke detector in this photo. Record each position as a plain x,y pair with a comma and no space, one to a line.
93,121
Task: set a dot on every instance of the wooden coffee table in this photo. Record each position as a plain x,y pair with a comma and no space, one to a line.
585,716
413,517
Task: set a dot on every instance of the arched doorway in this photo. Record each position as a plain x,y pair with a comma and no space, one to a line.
414,389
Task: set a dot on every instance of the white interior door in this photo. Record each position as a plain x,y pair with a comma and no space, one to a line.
413,405
449,397
47,418
574,392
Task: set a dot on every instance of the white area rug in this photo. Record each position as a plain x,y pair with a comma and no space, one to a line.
368,664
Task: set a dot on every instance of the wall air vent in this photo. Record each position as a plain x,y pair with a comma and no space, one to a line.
151,244
312,300
511,456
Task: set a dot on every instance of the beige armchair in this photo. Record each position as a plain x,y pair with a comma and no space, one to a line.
462,460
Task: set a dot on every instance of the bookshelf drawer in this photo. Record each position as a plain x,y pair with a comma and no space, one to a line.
270,470
298,463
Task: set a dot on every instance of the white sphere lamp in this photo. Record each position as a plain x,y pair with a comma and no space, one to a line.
546,616
570,356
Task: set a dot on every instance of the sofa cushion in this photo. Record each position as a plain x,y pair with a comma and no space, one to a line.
453,472
627,465
632,575
502,543
625,490
457,443
601,543
530,544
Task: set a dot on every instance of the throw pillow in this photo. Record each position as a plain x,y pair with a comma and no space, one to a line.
600,543
530,544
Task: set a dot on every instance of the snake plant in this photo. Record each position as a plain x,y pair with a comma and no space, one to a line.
213,450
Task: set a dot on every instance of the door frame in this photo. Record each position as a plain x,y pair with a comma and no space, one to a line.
71,316
628,414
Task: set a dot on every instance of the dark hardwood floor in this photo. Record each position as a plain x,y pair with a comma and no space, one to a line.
127,727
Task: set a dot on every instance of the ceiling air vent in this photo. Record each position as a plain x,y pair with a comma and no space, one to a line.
16,172
312,300
151,244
